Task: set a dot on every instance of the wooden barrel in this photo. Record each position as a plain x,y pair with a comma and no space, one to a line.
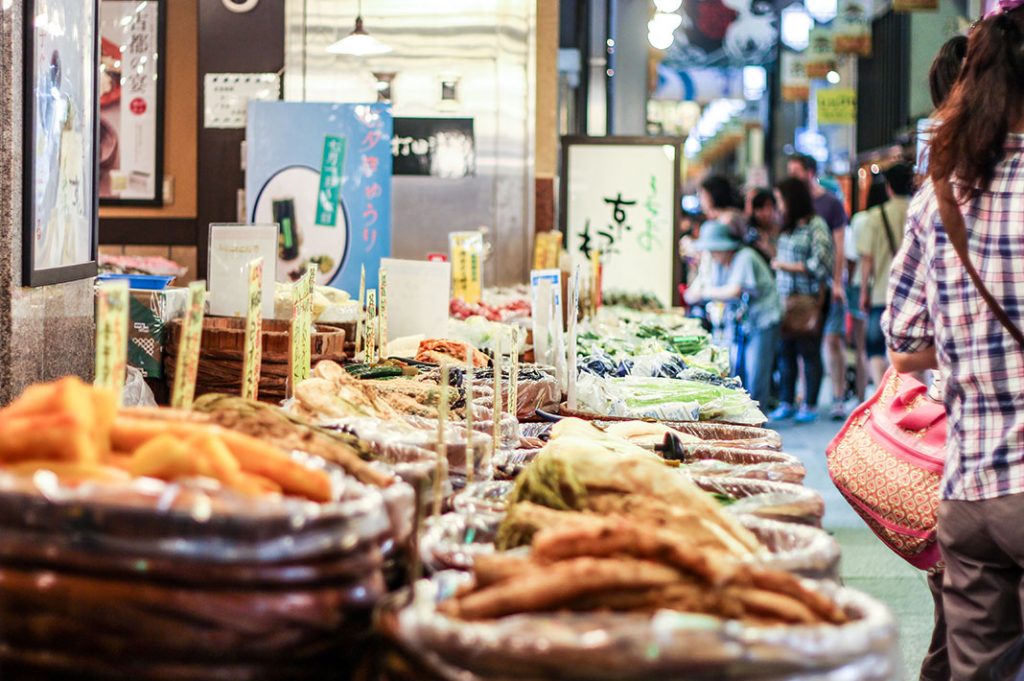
223,347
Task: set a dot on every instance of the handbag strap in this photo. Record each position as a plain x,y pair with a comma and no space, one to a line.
888,230
956,230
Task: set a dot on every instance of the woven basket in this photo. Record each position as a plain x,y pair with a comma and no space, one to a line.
223,347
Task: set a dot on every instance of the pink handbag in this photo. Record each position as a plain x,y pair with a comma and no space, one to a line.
887,461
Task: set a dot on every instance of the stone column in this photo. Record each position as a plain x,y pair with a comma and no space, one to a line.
45,332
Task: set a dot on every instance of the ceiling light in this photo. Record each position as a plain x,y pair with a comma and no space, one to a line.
660,40
668,6
796,27
833,77
823,11
664,23
359,43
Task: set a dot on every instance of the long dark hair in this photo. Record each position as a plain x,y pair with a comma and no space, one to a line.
797,204
946,68
986,100
722,192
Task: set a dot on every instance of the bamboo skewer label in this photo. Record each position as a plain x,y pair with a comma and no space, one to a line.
513,374
187,363
467,382
299,350
369,330
382,314
361,322
112,335
496,408
253,357
595,282
442,439
574,313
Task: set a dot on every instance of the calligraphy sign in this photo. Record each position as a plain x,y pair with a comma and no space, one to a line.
300,350
621,198
253,357
187,367
467,250
329,196
111,335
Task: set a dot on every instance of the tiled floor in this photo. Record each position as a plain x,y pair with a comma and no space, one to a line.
867,564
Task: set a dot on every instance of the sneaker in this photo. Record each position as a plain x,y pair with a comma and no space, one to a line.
782,412
838,412
806,415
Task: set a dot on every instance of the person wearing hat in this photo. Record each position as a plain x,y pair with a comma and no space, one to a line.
739,279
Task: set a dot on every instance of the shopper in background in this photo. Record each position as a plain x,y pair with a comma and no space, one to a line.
740,279
803,265
762,222
945,68
830,208
720,201
937,317
878,234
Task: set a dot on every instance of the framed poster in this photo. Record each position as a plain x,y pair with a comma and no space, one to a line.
131,94
322,173
60,138
621,197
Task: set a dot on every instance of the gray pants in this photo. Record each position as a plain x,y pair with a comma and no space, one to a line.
982,545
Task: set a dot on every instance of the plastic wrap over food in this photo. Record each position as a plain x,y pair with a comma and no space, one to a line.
800,549
509,463
486,498
764,499
198,519
765,470
640,647
137,392
453,540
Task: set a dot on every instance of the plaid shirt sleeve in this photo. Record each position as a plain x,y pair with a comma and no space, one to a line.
819,265
907,322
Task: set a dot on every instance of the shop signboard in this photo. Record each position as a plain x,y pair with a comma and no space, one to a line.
853,28
298,177
436,147
821,55
837,106
621,197
796,86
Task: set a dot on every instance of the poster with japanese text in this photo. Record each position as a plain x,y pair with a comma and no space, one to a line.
322,173
622,200
131,139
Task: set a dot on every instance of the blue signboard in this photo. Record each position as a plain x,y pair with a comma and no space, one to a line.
289,147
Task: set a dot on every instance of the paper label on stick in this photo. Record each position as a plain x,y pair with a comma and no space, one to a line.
442,443
253,357
595,282
370,332
468,381
574,312
467,272
187,368
361,322
547,250
112,335
513,375
548,336
299,351
382,315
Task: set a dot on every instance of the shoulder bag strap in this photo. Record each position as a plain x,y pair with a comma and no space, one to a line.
888,230
956,230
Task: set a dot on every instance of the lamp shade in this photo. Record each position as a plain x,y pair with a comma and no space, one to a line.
359,43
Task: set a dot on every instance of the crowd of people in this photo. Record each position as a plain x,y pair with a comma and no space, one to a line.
929,280
785,278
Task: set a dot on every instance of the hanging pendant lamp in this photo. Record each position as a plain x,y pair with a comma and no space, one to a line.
359,43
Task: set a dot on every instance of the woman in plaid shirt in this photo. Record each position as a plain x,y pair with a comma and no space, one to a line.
936,318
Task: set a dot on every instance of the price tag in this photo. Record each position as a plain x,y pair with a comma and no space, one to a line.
112,335
300,351
361,322
253,357
595,282
442,439
496,408
467,383
187,367
547,250
574,313
513,375
382,314
467,256
371,327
